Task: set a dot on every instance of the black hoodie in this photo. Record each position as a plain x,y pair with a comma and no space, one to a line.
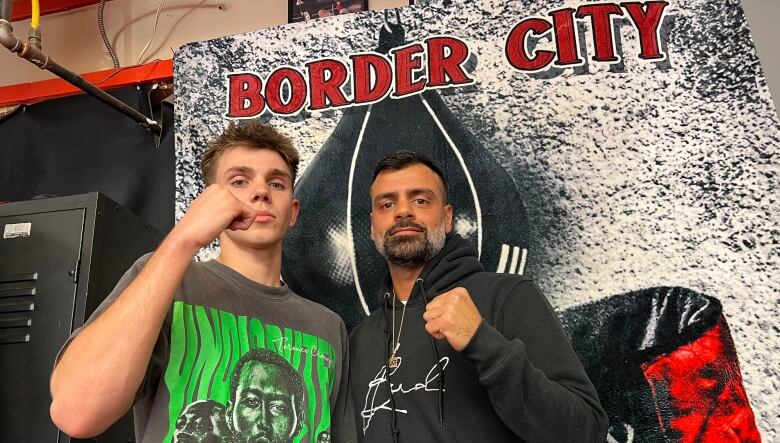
518,379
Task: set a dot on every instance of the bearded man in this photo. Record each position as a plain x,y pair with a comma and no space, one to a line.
456,353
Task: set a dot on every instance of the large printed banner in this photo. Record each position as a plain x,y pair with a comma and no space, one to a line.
623,154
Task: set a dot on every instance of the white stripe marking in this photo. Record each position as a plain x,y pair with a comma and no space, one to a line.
502,259
350,238
513,265
521,269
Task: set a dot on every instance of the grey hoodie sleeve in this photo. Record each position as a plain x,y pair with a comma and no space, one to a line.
535,381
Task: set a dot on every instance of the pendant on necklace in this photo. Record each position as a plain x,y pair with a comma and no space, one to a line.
393,362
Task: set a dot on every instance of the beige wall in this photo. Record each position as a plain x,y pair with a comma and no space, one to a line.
72,38
763,16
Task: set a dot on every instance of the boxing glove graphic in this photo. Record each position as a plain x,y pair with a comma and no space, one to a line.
665,366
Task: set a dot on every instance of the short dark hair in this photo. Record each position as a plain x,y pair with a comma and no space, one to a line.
404,158
252,134
266,356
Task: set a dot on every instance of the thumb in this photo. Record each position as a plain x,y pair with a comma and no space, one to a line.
243,220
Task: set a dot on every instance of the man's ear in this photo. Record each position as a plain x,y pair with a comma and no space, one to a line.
296,208
447,218
229,414
301,417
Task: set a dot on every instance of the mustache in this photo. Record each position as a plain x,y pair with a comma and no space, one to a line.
405,224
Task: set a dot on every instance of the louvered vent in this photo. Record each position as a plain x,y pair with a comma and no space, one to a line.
17,301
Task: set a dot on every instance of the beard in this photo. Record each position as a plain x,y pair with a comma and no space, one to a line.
410,251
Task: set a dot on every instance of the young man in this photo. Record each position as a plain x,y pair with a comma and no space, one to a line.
173,331
456,353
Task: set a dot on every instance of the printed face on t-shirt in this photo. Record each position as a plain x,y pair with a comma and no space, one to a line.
265,408
201,422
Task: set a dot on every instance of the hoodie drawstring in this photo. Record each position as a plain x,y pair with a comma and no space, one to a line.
438,362
393,423
434,348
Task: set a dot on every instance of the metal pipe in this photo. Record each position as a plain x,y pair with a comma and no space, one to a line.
5,10
40,59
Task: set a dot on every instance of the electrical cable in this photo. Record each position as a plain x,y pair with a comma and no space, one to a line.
106,42
154,31
192,7
124,68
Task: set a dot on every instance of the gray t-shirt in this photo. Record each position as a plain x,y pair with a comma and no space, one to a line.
237,361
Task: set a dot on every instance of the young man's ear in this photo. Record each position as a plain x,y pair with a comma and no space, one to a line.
296,208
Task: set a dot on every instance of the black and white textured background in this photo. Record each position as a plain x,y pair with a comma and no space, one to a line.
633,177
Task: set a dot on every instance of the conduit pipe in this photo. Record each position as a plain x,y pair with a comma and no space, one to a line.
40,59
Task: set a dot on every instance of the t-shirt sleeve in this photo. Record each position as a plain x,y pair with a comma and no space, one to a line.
160,348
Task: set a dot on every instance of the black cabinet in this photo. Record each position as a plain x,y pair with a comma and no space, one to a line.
59,258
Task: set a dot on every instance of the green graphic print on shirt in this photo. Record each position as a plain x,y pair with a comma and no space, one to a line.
234,379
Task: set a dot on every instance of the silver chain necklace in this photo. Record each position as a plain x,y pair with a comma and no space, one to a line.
393,361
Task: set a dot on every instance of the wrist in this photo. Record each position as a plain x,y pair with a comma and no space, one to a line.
487,348
473,336
178,242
